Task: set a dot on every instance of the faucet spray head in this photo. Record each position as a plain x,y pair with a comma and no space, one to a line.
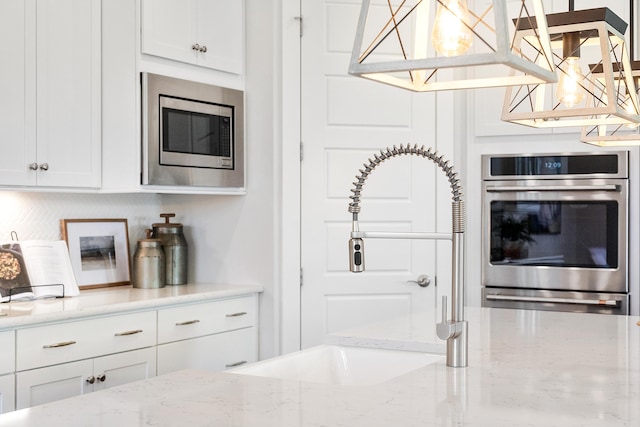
356,255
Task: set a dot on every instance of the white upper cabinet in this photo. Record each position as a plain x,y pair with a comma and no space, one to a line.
208,33
50,110
17,86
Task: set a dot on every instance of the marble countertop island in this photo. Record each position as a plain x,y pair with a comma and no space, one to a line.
526,368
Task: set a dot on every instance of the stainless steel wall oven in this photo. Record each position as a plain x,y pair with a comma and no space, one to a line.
555,231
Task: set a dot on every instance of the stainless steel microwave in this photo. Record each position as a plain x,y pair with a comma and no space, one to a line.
192,134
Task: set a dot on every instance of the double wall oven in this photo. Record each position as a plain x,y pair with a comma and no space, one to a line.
555,231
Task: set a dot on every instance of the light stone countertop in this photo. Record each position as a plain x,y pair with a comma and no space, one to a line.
526,368
105,301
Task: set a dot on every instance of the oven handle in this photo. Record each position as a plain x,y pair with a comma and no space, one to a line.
605,302
505,188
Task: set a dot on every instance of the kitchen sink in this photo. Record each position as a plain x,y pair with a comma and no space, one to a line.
343,365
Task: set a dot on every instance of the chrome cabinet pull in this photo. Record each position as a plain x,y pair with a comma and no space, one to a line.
195,46
33,166
241,313
101,377
91,379
59,344
122,334
233,365
188,322
44,167
203,49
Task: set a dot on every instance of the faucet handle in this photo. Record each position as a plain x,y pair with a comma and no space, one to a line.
447,329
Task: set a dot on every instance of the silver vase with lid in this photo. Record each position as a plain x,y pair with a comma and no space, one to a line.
175,249
148,264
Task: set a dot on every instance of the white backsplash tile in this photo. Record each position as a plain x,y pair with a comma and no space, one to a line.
37,215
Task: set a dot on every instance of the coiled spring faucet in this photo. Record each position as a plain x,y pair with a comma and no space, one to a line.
454,330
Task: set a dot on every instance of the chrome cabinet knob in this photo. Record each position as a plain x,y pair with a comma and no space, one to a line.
195,47
203,49
101,377
33,166
44,167
91,379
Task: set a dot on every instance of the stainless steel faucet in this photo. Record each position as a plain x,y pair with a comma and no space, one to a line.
454,330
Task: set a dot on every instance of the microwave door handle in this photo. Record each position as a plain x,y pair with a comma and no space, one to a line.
609,303
512,188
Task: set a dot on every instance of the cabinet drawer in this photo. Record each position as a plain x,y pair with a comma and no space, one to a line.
212,317
64,342
211,353
7,352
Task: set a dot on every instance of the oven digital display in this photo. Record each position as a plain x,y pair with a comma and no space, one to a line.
554,165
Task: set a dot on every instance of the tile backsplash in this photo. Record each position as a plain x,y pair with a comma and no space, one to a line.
36,216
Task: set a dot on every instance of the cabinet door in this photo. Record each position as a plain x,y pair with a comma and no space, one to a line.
122,368
68,93
43,385
17,86
212,353
7,393
224,41
7,352
169,30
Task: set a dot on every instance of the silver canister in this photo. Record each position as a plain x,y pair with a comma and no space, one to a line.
148,264
175,249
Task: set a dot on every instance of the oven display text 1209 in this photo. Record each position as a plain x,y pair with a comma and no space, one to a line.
552,165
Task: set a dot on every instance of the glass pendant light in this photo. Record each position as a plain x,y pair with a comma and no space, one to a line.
418,44
624,135
569,90
594,71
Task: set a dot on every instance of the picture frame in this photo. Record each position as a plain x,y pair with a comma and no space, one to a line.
99,251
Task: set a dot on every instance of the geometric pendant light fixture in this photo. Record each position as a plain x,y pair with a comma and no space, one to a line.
620,134
624,134
431,45
595,83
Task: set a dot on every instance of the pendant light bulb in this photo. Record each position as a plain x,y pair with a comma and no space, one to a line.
569,91
451,34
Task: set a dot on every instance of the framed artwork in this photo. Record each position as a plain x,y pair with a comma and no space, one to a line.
99,251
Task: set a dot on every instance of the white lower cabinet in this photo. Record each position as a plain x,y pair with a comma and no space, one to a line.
42,385
7,393
60,360
7,366
212,352
213,335
52,361
122,368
